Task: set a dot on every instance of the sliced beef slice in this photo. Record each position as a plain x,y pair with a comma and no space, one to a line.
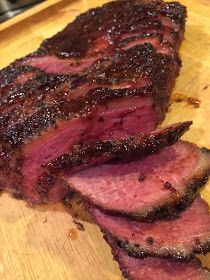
154,186
125,149
151,268
179,238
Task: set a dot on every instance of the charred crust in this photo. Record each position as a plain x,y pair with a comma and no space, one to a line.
17,192
63,162
205,150
11,167
124,271
142,177
168,186
28,109
34,89
117,22
46,179
141,250
150,241
11,72
139,58
114,18
44,183
48,116
181,202
201,247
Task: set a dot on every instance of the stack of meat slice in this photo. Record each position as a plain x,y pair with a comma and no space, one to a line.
109,74
162,249
143,193
154,185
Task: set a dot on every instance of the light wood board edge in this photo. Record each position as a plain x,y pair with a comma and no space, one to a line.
31,12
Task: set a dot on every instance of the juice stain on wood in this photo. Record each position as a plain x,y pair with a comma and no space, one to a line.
195,102
72,234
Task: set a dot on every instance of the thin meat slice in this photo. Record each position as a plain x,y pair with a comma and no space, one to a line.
126,149
151,268
151,187
179,238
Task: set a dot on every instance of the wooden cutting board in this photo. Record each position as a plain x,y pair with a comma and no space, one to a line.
43,242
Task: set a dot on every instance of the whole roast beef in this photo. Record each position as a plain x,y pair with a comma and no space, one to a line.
100,78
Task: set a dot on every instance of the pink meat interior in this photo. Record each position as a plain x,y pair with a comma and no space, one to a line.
117,186
168,234
110,121
157,268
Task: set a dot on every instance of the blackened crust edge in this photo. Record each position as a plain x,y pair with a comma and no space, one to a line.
135,250
124,271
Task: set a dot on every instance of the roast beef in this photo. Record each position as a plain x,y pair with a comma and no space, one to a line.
180,238
44,119
153,186
126,90
151,268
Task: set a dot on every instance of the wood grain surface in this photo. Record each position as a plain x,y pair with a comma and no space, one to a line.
43,242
